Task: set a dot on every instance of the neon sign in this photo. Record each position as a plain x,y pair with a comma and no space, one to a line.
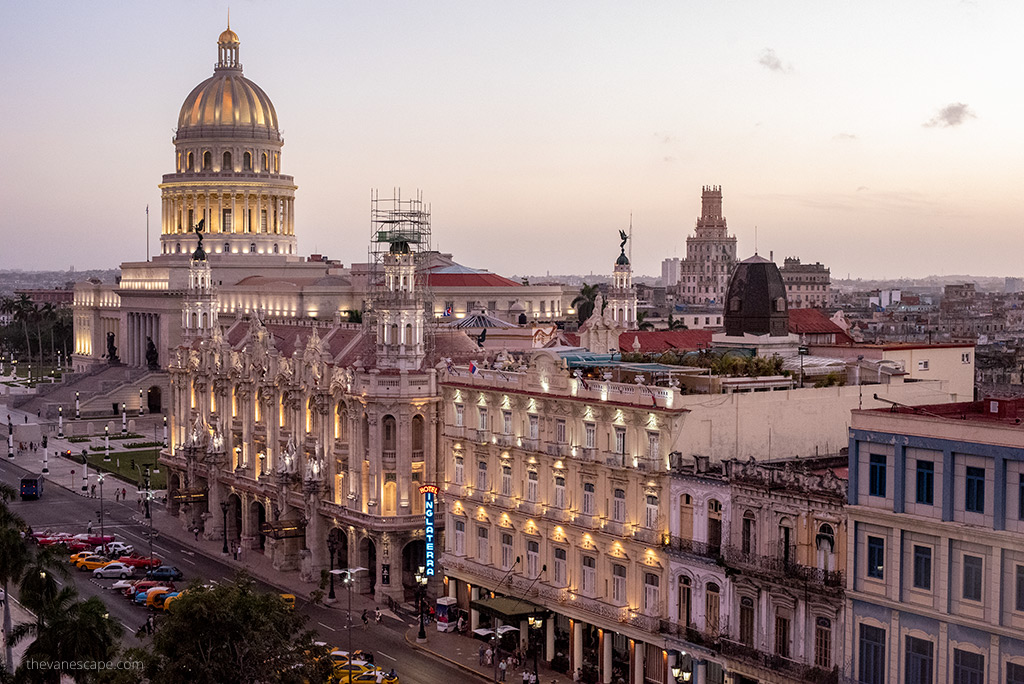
429,491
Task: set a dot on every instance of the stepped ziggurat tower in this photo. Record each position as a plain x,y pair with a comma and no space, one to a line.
710,254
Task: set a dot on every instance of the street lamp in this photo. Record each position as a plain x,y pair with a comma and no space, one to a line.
348,572
332,548
224,509
140,401
148,493
85,472
60,422
99,479
124,419
165,431
106,443
78,408
421,591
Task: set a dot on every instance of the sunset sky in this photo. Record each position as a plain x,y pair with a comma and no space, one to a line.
880,138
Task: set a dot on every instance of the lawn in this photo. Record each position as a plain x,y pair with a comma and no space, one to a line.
126,471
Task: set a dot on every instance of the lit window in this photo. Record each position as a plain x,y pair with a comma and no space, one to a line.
876,557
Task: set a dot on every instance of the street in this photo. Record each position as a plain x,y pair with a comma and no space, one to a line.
62,510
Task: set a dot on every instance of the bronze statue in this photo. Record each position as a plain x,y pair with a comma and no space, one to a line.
623,237
112,357
152,355
199,234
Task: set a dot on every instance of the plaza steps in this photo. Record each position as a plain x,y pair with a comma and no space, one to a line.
98,390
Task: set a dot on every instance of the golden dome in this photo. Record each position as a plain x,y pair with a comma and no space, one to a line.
228,36
228,100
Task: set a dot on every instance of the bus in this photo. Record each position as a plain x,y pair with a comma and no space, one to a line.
31,487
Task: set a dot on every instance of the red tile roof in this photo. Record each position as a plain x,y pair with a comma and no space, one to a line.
470,280
655,341
803,321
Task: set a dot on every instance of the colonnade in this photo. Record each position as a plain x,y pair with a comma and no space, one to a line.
228,211
132,346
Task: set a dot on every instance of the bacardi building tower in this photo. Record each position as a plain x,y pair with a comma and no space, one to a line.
710,254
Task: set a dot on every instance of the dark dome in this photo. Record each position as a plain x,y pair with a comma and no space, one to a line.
623,260
756,300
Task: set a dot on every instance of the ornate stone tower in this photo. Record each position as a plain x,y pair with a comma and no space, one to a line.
228,168
622,295
401,232
710,254
199,309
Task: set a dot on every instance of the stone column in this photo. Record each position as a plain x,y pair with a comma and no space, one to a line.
355,456
246,220
373,492
259,213
208,215
234,213
453,589
700,676
474,614
577,646
606,656
639,649
403,460
549,639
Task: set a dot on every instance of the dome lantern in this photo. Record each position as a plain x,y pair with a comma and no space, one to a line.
227,49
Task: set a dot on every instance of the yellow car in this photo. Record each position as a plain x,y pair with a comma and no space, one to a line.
171,599
289,600
75,557
353,668
92,562
374,676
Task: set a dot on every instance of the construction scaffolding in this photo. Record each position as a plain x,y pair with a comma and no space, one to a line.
398,225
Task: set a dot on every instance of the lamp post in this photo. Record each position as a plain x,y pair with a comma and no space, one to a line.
124,419
99,479
533,622
148,494
224,509
106,443
46,462
60,422
165,431
348,572
85,472
421,591
332,548
78,408
140,401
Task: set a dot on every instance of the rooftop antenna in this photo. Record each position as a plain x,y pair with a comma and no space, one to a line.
147,232
229,18
631,239
755,240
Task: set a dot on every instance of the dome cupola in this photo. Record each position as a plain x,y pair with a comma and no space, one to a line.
755,302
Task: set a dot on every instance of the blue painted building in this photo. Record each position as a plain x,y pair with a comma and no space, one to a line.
935,558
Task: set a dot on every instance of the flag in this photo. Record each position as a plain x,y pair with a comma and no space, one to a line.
447,311
654,399
473,370
451,367
584,383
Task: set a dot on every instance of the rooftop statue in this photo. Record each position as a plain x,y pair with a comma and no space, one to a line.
623,237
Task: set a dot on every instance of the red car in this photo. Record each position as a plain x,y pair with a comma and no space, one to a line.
140,561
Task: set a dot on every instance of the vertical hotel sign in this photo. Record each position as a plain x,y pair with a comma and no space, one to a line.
429,492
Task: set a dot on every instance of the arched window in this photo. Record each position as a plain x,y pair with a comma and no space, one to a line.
226,164
177,248
277,163
252,247
263,160
686,516
275,249
191,162
825,541
714,525
207,160
389,432
247,161
227,248
685,600
408,333
787,548
748,541
418,429
394,334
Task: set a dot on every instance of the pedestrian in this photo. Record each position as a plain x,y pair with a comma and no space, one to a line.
195,531
239,551
502,667
483,649
139,504
533,678
366,619
488,655
92,494
234,550
577,675
377,615
124,494
150,624
526,677
88,528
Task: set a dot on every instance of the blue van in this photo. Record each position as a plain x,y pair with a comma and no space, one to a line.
31,487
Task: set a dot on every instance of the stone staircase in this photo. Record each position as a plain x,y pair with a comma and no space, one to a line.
98,391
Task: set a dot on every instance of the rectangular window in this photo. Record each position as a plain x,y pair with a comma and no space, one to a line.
922,365
589,575
534,427
459,471
925,482
972,568
919,659
747,536
620,440
531,486
823,643
483,550
225,222
974,501
1014,673
460,415
506,422
651,520
619,584
559,492
588,498
460,538
481,476
923,568
1020,588
619,506
876,557
559,567
968,668
653,445
590,436
747,621
876,475
781,635
871,652
652,594
506,551
532,558
506,480
560,431
483,419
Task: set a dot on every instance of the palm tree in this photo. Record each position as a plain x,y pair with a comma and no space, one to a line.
74,631
14,557
676,323
642,323
584,302
39,587
25,312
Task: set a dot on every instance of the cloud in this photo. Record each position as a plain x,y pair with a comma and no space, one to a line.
771,61
844,136
951,115
665,138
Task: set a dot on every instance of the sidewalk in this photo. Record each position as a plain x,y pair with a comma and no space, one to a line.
464,652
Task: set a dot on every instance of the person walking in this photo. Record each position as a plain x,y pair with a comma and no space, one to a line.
124,494
88,528
488,655
483,649
92,494
366,619
502,668
195,531
377,615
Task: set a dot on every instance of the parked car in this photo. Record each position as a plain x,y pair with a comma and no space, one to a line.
137,561
94,539
92,562
142,585
142,598
289,600
169,599
75,557
155,597
114,569
165,572
121,585
115,549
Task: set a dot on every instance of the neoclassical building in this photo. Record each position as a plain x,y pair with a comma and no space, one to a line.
315,436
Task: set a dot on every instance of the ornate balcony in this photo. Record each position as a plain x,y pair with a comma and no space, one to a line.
506,440
481,436
777,568
557,449
679,546
692,635
779,664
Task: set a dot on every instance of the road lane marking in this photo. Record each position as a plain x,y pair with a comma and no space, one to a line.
327,626
387,656
191,562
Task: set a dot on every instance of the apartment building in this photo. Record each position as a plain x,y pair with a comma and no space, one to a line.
935,555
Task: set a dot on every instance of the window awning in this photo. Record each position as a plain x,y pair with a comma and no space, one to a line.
508,608
284,529
189,495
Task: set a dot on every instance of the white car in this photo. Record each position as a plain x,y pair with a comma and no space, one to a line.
116,549
121,584
114,570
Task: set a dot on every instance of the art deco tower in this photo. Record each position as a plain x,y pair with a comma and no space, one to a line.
228,168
